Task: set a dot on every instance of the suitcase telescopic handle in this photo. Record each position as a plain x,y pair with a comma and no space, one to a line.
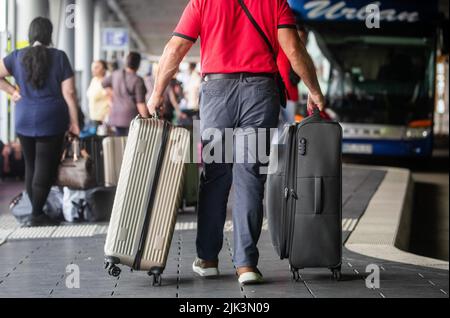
316,112
153,116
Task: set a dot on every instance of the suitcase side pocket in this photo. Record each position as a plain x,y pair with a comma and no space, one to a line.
318,195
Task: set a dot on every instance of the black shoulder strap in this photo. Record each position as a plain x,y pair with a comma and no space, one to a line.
257,27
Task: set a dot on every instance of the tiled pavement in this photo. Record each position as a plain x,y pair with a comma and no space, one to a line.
37,267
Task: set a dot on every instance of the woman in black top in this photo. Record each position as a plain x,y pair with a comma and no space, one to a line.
46,108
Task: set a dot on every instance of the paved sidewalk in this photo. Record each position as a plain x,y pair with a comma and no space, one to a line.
37,267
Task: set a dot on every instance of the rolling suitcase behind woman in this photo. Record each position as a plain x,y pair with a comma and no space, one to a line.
147,198
113,149
304,196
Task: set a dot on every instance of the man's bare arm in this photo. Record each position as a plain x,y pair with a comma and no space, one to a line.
302,64
142,109
174,52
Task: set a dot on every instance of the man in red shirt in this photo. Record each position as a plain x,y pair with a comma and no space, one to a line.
239,91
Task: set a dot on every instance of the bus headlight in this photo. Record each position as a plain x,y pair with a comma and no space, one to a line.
417,133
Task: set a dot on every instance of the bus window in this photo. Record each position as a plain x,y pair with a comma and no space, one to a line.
375,80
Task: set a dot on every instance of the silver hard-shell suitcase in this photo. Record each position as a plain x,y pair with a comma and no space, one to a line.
113,149
147,198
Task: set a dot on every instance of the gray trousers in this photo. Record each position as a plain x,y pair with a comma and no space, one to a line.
247,103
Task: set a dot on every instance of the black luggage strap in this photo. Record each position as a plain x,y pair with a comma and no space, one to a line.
317,195
258,28
145,227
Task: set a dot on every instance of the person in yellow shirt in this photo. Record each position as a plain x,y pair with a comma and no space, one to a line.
99,100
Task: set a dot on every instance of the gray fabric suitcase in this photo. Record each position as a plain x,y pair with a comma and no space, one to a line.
147,198
304,195
113,149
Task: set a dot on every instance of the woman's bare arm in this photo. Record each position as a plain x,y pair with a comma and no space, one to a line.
70,96
5,85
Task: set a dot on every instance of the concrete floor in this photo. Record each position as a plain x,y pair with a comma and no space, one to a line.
39,267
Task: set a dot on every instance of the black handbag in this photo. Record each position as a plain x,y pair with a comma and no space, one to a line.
279,80
76,170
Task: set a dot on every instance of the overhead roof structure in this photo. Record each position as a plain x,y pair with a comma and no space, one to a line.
153,21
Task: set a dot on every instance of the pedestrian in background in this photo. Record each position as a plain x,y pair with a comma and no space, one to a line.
239,90
127,91
170,109
46,108
192,87
97,95
149,81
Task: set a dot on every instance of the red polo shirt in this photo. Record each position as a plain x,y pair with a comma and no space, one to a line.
229,42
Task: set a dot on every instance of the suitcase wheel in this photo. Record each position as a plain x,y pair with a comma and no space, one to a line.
113,270
295,274
155,273
156,280
336,272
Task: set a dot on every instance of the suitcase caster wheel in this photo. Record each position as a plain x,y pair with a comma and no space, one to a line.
106,265
337,275
114,271
295,274
156,279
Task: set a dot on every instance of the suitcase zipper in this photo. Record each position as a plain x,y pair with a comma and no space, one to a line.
287,194
290,224
283,223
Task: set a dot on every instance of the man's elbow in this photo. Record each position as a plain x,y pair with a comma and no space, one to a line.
172,52
176,48
293,54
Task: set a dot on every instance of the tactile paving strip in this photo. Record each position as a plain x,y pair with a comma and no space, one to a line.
63,231
89,230
32,233
74,231
4,235
8,222
348,224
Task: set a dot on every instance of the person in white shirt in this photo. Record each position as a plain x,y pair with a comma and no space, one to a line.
192,87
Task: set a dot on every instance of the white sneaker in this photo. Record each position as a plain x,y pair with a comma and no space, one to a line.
205,268
250,278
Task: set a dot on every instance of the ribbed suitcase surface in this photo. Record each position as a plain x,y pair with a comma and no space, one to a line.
113,149
147,198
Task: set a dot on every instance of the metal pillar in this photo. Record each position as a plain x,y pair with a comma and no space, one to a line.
11,25
84,25
100,15
64,22
3,51
26,11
